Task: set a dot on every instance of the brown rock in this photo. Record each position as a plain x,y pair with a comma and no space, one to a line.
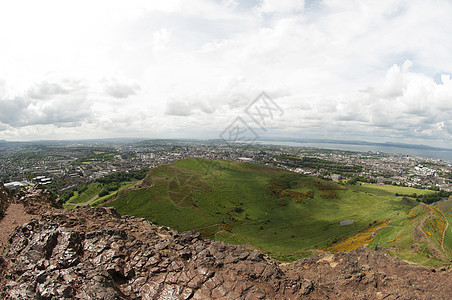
95,253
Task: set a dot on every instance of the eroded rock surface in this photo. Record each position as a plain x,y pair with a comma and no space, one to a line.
5,198
37,200
94,253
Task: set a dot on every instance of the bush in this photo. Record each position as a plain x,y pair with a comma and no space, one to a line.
66,196
103,193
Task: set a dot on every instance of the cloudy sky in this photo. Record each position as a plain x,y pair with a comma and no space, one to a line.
349,69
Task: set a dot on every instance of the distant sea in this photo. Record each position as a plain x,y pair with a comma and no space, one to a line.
445,155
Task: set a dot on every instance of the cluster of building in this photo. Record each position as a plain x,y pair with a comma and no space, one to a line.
65,166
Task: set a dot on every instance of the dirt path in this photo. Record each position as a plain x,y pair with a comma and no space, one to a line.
15,215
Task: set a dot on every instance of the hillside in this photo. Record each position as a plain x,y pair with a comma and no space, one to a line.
94,253
284,214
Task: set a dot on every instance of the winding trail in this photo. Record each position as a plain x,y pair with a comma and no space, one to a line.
445,229
444,234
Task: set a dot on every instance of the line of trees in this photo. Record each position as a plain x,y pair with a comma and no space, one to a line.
317,163
428,198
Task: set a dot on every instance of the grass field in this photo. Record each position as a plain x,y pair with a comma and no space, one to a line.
448,236
446,206
93,189
388,190
101,200
414,236
233,202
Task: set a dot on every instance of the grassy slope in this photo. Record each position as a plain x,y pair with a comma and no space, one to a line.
199,195
410,228
448,237
93,189
446,206
124,185
399,232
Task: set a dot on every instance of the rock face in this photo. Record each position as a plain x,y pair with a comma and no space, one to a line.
5,198
37,199
94,253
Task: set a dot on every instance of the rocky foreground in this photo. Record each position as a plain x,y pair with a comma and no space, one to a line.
94,253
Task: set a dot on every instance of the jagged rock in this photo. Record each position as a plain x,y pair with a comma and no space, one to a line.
93,253
5,199
37,199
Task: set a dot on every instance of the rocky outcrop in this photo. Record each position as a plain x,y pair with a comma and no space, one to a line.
5,199
37,199
94,253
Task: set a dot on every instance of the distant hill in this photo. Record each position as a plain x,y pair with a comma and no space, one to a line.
285,214
355,142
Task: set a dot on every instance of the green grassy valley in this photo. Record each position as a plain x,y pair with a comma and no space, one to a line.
285,214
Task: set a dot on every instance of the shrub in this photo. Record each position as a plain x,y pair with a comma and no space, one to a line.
103,193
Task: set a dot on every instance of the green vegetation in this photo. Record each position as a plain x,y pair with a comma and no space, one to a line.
86,193
389,190
69,206
435,197
446,206
104,187
285,214
117,177
317,164
97,156
448,236
414,235
110,194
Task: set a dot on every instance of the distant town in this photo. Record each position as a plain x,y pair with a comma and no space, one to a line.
63,166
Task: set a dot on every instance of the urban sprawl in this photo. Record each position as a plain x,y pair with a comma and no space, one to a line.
62,167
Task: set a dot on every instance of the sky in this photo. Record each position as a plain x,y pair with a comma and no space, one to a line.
352,69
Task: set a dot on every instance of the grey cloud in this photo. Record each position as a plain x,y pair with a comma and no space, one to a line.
62,104
230,98
2,87
178,108
119,90
12,110
19,112
189,106
46,90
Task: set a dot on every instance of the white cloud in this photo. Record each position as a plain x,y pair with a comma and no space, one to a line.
373,69
280,6
119,90
62,103
231,4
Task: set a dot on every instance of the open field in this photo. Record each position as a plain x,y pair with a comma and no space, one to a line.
388,190
93,189
446,206
102,199
285,214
